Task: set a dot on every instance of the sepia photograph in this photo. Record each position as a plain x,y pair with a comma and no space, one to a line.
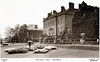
49,29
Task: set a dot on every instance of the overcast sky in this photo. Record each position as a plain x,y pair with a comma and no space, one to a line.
14,12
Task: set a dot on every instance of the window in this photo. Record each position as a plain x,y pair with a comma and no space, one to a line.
53,23
53,32
58,30
44,25
58,22
61,29
48,24
61,21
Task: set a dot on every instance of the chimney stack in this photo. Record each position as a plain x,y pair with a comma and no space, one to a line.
71,5
36,27
62,9
49,14
54,12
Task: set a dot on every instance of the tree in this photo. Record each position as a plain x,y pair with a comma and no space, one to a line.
0,39
17,34
9,33
15,38
17,27
23,33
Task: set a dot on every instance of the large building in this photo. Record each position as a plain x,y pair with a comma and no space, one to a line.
55,24
27,32
72,22
34,33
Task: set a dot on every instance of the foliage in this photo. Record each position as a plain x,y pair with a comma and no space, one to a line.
17,34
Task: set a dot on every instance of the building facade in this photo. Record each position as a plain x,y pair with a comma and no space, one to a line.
33,32
72,22
56,23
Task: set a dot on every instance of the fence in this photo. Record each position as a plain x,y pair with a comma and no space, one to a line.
71,41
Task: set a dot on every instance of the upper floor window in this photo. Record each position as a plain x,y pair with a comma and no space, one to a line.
58,21
53,23
44,25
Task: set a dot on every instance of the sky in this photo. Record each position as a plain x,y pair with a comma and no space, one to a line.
14,12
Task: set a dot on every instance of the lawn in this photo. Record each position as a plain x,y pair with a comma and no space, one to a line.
62,51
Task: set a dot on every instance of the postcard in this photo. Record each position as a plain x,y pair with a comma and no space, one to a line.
49,30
